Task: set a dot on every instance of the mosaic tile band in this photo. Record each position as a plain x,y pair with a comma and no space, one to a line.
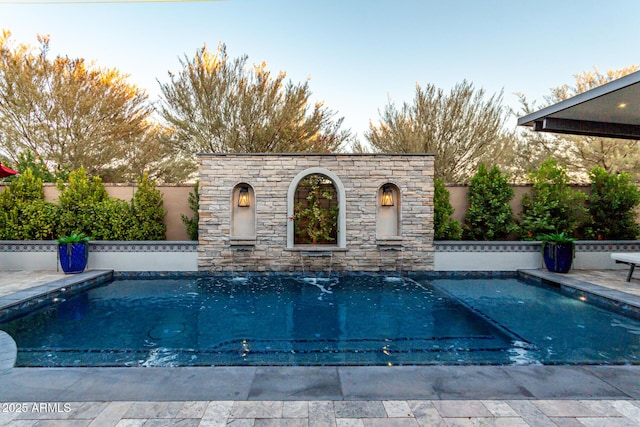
443,246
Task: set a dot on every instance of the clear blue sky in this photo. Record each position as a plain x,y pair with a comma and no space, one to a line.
358,54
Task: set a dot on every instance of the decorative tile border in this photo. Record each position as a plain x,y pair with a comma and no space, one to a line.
151,275
152,246
440,246
101,246
468,246
608,246
28,246
518,246
434,275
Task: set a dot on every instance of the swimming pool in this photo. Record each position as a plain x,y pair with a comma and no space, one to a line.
351,319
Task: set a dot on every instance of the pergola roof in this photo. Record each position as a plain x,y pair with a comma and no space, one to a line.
611,110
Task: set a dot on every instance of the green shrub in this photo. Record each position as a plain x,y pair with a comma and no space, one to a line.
27,160
77,200
445,227
148,213
489,216
39,220
552,206
9,221
24,214
112,220
191,223
84,206
24,188
612,207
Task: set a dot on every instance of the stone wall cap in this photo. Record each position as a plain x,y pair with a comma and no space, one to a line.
316,154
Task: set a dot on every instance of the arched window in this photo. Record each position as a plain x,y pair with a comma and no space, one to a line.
316,209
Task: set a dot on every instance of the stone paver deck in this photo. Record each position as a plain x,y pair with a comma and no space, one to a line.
392,413
612,279
321,396
15,281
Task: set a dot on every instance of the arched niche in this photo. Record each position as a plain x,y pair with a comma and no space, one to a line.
388,221
243,212
291,201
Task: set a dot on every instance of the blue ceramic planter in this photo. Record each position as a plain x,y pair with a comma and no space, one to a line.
558,257
73,257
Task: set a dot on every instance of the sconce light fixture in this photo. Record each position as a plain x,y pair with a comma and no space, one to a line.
243,197
387,196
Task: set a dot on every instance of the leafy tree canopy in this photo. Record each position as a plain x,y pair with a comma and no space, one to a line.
71,114
463,128
218,104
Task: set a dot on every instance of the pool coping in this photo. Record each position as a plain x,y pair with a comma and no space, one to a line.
321,383
433,382
611,299
38,296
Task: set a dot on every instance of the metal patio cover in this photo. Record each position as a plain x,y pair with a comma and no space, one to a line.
611,110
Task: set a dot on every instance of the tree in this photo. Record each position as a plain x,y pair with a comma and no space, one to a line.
216,104
72,114
26,160
445,227
612,207
148,211
579,153
156,156
489,216
462,128
191,223
24,214
76,202
552,206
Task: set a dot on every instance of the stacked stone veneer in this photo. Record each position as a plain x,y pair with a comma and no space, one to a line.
270,176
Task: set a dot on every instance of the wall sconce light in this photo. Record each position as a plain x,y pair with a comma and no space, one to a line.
243,197
387,196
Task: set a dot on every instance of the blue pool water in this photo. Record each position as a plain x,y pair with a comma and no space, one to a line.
353,319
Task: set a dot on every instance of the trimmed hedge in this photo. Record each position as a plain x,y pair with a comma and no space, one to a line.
552,206
445,227
612,207
83,207
489,216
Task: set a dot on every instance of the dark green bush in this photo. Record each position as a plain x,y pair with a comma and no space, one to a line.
148,211
489,216
445,227
77,200
24,188
24,214
84,206
612,207
39,220
191,223
552,206
112,220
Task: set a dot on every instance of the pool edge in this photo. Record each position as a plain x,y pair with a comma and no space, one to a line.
28,300
609,299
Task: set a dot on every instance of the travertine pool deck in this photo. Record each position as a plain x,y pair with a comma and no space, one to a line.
308,396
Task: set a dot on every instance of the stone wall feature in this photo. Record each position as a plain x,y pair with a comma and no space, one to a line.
358,249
